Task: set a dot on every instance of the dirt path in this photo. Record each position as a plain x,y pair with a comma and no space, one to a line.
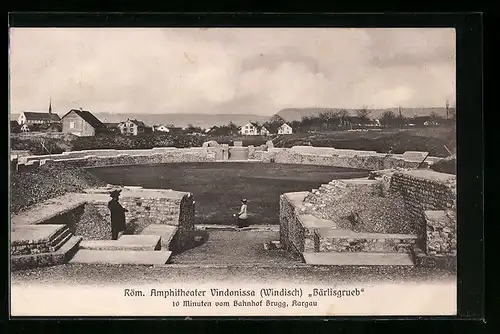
235,247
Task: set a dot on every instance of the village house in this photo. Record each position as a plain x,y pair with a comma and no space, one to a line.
82,123
250,129
38,117
133,127
285,129
32,117
161,128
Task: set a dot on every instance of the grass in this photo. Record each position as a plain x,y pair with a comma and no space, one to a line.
219,187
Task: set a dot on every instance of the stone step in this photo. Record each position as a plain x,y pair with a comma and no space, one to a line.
341,240
60,241
121,257
358,259
61,256
35,234
166,232
59,235
38,239
125,242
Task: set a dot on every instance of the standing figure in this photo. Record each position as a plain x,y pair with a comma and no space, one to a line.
117,215
243,215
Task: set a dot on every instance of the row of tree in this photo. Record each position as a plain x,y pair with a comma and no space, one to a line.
330,120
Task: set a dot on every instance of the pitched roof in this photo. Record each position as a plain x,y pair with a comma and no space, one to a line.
41,116
139,123
88,117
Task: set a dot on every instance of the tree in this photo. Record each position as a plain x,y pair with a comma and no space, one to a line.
388,118
328,118
343,116
277,119
363,114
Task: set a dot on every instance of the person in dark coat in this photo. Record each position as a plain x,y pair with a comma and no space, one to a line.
117,214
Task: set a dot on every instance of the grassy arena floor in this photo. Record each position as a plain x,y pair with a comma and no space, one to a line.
218,187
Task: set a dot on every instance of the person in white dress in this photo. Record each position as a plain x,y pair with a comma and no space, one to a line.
243,214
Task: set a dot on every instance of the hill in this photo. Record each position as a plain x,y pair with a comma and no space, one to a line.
296,114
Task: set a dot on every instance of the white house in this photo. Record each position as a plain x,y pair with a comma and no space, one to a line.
133,127
285,129
161,128
31,117
249,129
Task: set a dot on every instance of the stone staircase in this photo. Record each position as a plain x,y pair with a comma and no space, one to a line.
151,247
42,245
331,239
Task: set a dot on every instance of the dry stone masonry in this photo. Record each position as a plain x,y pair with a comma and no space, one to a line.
212,151
51,232
392,211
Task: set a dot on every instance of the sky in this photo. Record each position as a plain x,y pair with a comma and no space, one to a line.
229,71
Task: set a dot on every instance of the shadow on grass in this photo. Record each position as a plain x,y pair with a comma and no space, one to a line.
195,239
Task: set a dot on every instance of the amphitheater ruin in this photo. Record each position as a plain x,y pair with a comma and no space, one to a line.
403,213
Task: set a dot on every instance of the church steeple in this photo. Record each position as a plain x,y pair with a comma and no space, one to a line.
50,106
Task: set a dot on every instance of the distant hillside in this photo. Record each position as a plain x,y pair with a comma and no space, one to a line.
296,114
182,120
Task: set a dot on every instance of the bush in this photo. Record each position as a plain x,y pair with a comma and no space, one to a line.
37,147
119,142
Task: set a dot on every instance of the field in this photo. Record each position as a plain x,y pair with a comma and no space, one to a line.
218,187
431,140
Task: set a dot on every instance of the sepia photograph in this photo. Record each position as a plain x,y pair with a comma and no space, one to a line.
232,171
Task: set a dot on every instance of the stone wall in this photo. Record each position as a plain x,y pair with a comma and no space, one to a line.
441,233
97,158
341,158
214,152
92,220
424,190
291,232
68,218
395,210
381,245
